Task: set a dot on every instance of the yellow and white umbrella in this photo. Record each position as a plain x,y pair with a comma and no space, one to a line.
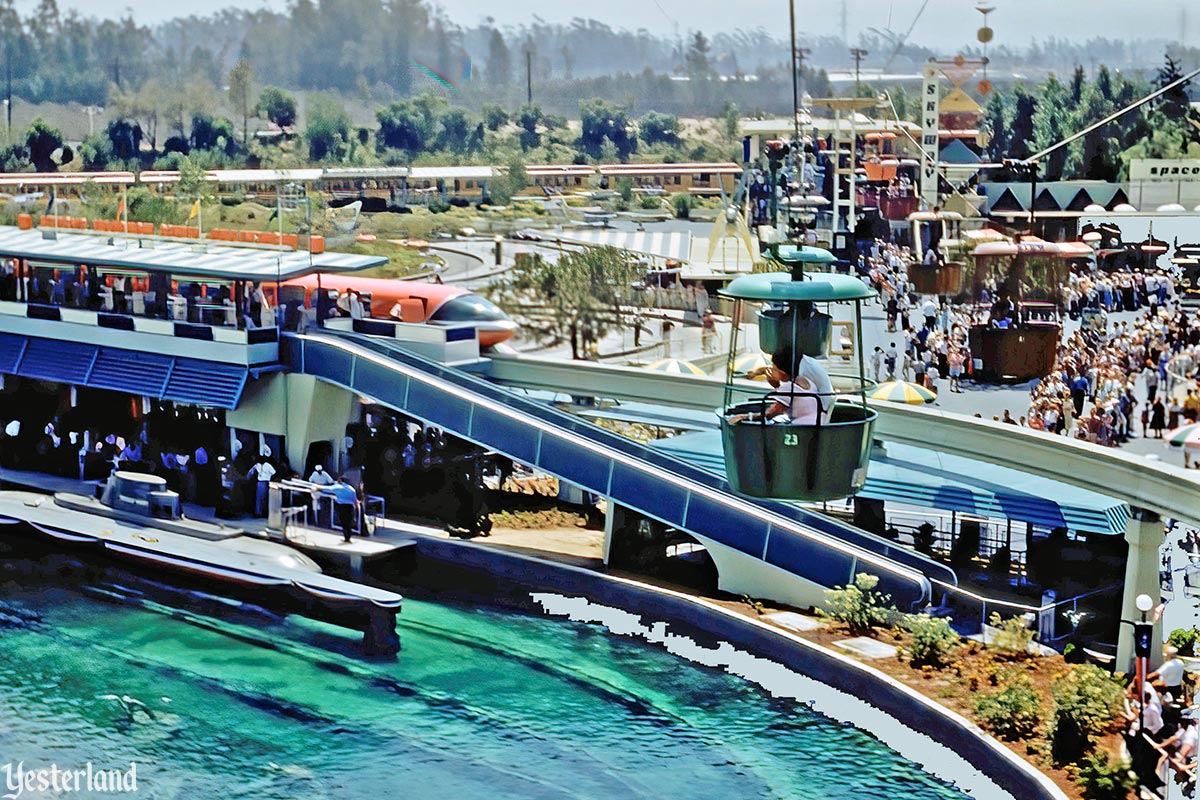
675,366
902,392
750,362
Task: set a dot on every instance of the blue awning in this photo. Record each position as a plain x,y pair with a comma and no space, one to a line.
183,380
927,479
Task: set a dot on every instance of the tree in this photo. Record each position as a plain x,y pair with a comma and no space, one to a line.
656,128
494,117
125,139
1175,103
499,60
328,130
997,118
191,178
1052,121
240,79
729,120
696,59
278,106
528,117
1022,135
1078,82
455,131
96,152
45,145
213,134
581,294
404,126
600,121
500,189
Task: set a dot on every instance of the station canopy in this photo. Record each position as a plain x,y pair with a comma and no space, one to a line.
820,287
199,259
923,478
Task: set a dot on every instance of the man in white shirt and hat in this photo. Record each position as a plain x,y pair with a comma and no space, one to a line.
320,477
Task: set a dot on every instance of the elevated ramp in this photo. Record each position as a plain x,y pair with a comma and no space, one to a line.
820,552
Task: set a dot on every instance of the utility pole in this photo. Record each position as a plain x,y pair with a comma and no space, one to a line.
858,54
795,76
801,54
8,89
529,75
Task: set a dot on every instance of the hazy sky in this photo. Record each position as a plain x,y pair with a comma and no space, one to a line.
947,22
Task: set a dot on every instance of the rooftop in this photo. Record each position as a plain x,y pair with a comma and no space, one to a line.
198,259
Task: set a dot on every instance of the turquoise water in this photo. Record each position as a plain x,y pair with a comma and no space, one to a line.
480,704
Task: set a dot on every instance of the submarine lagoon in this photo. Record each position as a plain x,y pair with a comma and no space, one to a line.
482,702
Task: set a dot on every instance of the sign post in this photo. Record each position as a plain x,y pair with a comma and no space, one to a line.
930,98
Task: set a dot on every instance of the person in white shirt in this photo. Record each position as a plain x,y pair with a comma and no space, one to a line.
799,400
929,311
264,472
320,477
877,363
1170,673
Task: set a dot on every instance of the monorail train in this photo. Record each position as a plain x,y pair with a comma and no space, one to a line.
414,301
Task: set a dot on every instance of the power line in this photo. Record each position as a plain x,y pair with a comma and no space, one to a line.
1111,117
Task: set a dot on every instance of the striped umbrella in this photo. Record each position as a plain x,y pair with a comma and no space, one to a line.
750,362
1185,436
676,366
902,392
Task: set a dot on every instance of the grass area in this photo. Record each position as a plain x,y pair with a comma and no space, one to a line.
402,261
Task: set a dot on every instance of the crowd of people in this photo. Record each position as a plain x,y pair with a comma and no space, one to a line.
1160,728
932,335
1104,364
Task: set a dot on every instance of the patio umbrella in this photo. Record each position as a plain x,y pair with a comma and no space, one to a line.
902,392
750,362
1185,436
675,366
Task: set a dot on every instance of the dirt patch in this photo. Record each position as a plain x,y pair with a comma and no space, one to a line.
532,519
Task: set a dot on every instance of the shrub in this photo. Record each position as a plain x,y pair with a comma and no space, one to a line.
858,605
933,639
1014,712
1012,636
1086,701
1184,639
1101,779
682,204
1073,654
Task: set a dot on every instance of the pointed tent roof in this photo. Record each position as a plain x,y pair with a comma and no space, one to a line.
1102,194
958,153
958,102
1012,197
1081,201
1046,201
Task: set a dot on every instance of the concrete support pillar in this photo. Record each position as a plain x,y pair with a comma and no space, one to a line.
610,520
1144,535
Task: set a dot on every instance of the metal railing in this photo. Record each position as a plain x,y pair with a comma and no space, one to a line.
1045,615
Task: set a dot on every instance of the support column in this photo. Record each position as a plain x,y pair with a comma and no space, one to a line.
610,522
1144,534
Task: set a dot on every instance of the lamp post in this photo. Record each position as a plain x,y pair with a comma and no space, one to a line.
1143,634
